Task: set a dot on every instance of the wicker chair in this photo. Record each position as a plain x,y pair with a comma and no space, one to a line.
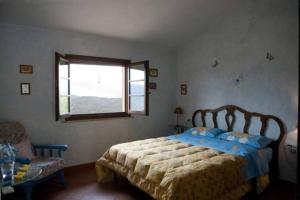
47,157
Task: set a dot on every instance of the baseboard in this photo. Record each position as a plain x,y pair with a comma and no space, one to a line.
81,167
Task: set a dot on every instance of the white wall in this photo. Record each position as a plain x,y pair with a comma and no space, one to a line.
87,140
240,42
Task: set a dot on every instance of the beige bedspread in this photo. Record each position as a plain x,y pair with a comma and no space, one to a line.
171,170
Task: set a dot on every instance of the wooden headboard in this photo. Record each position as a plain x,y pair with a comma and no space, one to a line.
230,119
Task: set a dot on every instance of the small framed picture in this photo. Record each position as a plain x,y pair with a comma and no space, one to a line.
153,72
25,88
26,69
183,89
152,86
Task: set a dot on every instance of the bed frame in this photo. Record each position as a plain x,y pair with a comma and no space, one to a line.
230,119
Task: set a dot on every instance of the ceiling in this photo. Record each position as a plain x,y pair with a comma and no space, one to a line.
165,22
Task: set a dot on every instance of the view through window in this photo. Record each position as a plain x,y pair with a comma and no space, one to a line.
137,89
96,89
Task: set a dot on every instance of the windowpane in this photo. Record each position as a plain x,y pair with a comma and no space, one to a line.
138,80
137,87
137,73
63,70
63,86
137,103
96,89
63,105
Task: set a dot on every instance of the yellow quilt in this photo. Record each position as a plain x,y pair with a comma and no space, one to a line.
172,170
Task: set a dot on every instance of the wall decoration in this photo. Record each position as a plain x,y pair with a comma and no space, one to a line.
239,79
153,72
215,64
25,88
26,69
269,56
152,86
183,89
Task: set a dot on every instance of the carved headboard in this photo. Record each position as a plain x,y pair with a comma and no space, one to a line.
230,119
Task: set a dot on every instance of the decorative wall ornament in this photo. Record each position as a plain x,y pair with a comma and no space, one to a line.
26,69
153,72
215,64
239,79
183,89
269,56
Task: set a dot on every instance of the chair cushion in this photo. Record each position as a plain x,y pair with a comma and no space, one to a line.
11,132
14,133
24,149
49,165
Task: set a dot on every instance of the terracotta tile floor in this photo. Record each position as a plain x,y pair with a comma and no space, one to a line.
82,185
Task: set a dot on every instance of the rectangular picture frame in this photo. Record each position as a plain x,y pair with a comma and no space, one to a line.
183,89
152,86
153,72
25,88
26,69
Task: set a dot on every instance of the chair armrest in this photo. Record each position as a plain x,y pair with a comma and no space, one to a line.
62,147
50,148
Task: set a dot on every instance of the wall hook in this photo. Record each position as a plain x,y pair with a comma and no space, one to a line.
215,64
269,56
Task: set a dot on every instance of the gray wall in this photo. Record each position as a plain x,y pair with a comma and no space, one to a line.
87,140
240,42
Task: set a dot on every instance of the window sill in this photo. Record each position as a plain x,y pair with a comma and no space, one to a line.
95,116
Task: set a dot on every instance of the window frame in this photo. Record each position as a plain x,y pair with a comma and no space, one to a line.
146,89
57,96
79,59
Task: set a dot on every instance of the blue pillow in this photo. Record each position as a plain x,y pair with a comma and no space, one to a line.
213,132
194,130
216,131
256,141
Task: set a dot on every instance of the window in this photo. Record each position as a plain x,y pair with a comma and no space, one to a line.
138,94
93,87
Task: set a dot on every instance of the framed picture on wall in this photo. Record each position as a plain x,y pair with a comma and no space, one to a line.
25,88
152,86
26,69
183,89
153,72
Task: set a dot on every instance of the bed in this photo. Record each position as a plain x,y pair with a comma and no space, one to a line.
194,165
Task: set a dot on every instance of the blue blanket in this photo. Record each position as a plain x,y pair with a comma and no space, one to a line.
257,162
